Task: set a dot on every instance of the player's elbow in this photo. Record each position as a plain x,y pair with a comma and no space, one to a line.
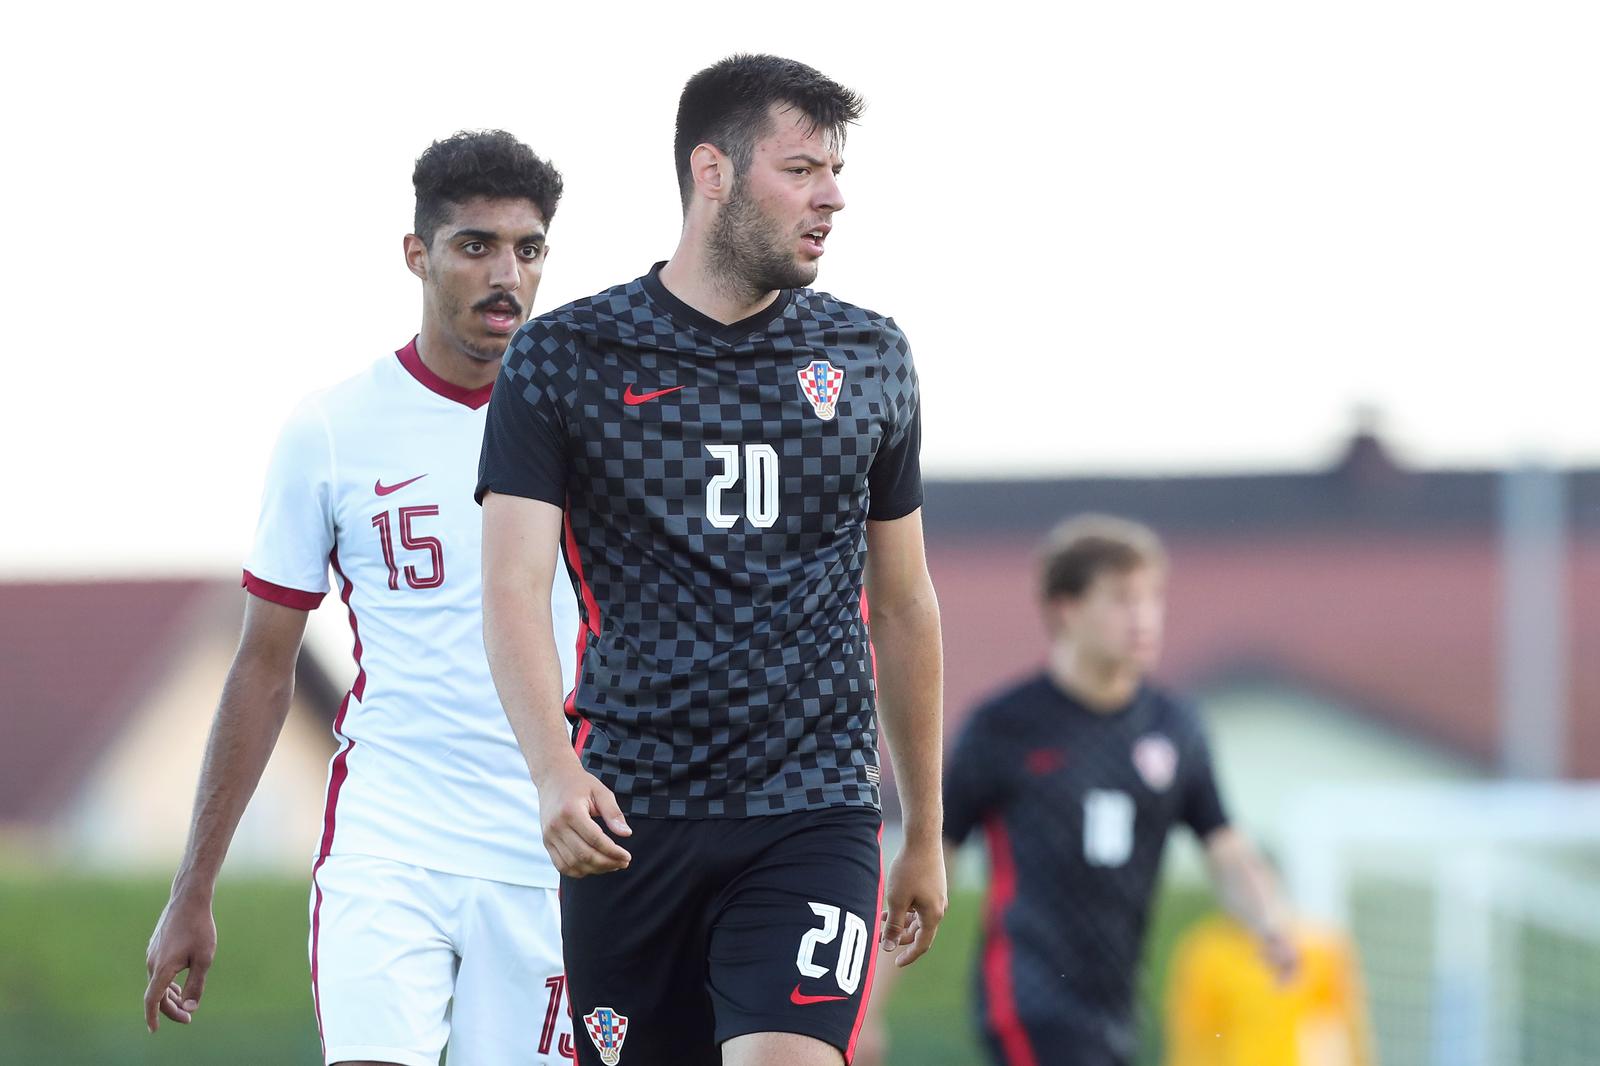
904,603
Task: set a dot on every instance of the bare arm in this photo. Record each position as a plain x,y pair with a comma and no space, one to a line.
250,715
1249,892
910,663
521,538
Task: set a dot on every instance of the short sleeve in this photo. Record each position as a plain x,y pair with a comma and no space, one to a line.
525,438
1203,811
895,477
288,563
973,779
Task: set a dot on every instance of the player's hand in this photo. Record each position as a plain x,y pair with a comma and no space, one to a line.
571,801
185,939
915,902
1282,957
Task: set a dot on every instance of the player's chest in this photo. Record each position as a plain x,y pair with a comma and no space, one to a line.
1066,770
825,405
405,519
1102,797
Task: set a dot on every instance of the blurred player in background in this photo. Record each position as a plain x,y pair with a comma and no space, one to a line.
1075,776
433,911
727,457
1225,1006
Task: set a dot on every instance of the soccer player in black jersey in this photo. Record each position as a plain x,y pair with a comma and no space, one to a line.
1075,776
729,460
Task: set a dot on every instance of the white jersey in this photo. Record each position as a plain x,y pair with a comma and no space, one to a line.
374,477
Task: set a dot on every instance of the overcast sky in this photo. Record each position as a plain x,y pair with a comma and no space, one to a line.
1121,237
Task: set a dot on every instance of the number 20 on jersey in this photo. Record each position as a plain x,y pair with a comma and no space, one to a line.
757,466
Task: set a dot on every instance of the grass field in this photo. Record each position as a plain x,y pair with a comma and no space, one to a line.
72,974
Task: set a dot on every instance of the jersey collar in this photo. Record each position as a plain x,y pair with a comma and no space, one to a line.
411,359
1073,703
729,332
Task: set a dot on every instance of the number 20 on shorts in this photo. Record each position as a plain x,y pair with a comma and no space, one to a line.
852,949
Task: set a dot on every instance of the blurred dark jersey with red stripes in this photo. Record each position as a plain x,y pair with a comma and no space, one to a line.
1075,806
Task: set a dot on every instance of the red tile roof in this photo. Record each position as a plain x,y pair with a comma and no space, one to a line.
78,657
75,659
1403,626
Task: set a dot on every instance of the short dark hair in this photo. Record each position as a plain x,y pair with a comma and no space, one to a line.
476,163
1082,548
729,103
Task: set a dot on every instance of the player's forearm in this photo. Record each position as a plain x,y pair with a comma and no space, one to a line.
520,641
910,662
250,715
1243,883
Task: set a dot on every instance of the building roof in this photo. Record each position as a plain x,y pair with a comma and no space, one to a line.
1368,583
77,658
1364,492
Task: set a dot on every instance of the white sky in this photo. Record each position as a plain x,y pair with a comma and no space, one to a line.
1121,237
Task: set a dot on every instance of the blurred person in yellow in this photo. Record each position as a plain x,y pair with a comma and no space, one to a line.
1226,1007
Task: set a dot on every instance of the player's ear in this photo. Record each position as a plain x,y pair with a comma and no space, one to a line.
416,256
712,172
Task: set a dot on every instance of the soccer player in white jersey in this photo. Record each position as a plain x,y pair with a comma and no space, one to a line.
433,906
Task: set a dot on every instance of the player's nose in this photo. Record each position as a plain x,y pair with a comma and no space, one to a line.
829,196
505,270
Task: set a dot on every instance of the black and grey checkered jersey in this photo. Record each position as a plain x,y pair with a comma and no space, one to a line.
1076,807
716,481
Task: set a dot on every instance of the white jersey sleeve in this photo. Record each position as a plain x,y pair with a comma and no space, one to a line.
288,562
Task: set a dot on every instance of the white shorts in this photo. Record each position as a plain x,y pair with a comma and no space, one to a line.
405,960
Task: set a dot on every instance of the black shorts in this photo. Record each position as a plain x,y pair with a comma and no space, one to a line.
1084,1034
1042,1044
723,927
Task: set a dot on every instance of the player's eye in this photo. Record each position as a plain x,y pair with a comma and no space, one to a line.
473,248
531,251
802,171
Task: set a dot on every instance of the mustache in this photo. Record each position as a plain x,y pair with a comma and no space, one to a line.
498,301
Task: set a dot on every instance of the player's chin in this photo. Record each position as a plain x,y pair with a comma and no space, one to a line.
485,343
1144,659
487,350
805,270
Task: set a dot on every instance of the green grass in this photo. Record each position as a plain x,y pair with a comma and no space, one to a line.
72,977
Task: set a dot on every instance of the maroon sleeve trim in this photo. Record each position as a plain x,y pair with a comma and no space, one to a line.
296,598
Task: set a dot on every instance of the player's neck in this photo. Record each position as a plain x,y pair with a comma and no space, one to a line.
692,277
450,362
1101,685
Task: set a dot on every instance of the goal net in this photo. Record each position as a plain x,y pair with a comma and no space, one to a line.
1476,911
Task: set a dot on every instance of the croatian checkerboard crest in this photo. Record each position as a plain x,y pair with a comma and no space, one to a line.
820,382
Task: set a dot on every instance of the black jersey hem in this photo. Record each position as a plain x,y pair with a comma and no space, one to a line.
894,509
526,492
640,807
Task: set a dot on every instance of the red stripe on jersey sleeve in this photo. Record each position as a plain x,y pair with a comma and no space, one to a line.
299,599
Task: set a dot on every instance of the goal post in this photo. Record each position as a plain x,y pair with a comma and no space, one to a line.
1475,908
